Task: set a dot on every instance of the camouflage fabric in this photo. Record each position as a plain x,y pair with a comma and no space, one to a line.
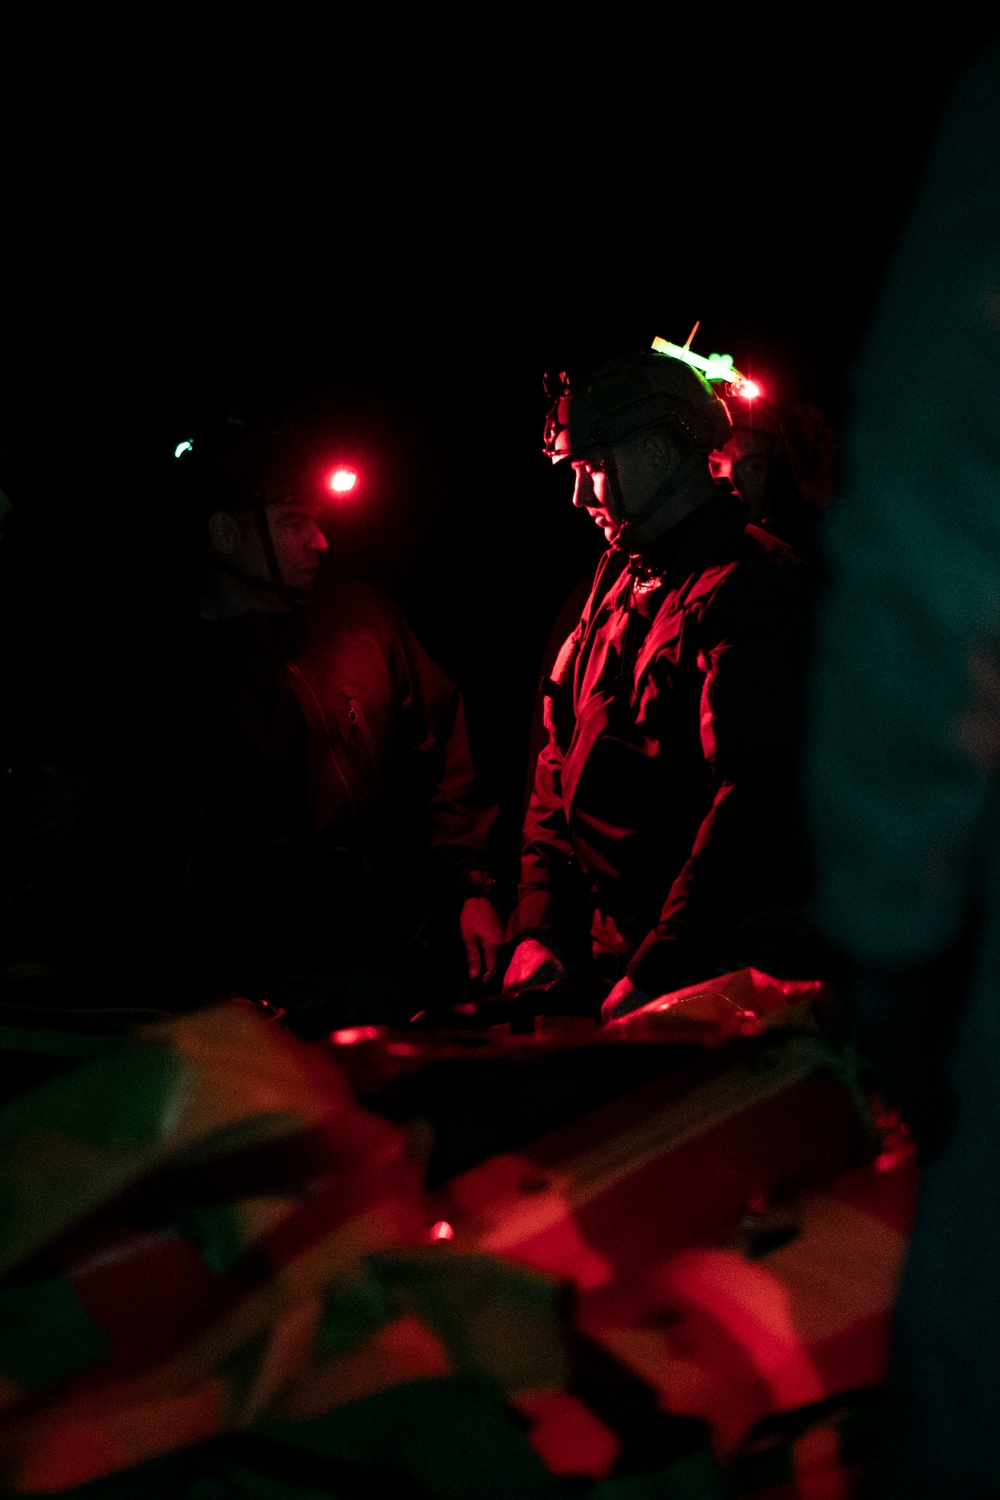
222,1277
217,1272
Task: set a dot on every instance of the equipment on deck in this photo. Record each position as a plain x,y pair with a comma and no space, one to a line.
231,1259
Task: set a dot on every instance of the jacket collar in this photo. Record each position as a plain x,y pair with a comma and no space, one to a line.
710,534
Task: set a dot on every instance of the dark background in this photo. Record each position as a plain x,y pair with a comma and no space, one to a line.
391,249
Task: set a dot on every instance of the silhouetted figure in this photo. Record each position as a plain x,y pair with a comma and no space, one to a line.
334,847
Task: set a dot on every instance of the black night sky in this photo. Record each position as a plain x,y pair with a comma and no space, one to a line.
391,250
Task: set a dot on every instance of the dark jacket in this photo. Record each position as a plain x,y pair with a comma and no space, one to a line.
668,780
333,780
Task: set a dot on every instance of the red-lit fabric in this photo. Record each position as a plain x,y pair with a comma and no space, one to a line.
408,756
207,1232
647,1206
253,1248
673,720
333,777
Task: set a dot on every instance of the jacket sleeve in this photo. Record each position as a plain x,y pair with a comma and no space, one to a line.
432,716
746,856
546,850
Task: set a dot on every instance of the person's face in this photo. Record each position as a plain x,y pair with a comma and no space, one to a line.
298,542
295,535
746,462
642,463
590,494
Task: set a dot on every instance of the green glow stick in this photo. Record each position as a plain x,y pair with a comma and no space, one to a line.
712,366
185,447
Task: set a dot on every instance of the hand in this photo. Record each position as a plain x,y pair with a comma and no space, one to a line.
533,967
623,999
482,933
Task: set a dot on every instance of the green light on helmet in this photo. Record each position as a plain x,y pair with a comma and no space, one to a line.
186,447
714,367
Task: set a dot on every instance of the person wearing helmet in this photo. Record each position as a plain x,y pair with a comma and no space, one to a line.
780,463
265,541
662,815
336,849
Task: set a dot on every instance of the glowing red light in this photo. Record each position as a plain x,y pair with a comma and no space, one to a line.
342,481
750,390
350,1036
442,1230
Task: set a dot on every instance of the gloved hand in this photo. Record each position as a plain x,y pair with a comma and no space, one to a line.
533,967
483,933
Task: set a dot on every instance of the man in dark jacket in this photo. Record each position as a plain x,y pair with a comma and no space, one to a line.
333,837
664,800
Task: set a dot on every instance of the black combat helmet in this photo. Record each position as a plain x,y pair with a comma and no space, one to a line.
627,394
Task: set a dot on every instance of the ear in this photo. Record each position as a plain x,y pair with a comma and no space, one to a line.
658,451
222,532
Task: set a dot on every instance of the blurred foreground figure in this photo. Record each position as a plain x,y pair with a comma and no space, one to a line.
907,747
338,844
663,806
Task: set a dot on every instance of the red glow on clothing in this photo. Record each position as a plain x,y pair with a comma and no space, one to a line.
442,1230
567,1436
349,1036
342,481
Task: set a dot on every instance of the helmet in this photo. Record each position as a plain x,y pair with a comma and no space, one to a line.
626,395
235,466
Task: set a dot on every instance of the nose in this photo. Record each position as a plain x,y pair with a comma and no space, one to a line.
583,489
318,542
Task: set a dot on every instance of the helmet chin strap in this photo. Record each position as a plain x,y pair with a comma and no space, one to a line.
290,597
627,522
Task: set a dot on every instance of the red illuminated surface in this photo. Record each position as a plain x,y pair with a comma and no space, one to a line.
349,1036
342,481
442,1230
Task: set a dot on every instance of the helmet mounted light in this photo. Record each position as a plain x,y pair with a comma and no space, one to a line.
241,469
342,481
718,369
666,386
